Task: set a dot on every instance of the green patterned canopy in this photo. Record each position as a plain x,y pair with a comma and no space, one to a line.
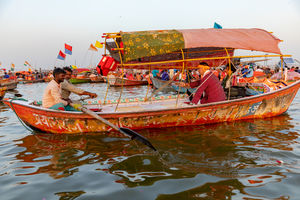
151,43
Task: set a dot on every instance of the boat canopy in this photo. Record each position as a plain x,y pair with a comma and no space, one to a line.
163,45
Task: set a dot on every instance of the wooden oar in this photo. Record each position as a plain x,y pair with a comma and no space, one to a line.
126,131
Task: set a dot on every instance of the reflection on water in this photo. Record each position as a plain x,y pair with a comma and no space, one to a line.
252,159
219,190
219,149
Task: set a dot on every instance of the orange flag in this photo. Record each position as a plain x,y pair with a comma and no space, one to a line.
93,48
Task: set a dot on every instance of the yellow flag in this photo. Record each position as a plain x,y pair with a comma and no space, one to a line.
98,44
74,67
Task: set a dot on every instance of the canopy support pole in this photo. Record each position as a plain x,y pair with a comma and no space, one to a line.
229,74
281,65
200,59
122,80
179,88
104,101
148,87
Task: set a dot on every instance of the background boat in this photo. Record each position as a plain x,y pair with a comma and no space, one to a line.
30,81
182,89
117,82
97,79
9,84
157,83
79,80
2,92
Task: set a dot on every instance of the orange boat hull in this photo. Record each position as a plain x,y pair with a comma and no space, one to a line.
260,106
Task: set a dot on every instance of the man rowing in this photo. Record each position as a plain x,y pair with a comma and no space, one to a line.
67,88
52,96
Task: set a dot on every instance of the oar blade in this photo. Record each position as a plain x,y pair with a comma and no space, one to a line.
135,136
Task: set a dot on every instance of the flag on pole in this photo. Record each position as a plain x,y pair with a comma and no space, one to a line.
26,64
61,55
12,67
68,49
217,26
73,67
98,44
93,48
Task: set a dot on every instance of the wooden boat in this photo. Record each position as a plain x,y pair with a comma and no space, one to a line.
9,84
47,79
30,81
97,79
2,92
118,82
186,50
155,114
157,83
182,89
80,80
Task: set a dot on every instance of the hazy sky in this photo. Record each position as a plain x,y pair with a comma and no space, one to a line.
35,30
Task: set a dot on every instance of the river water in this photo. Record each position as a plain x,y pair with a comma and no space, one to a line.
254,159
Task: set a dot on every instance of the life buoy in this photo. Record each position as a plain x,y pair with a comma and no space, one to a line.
106,65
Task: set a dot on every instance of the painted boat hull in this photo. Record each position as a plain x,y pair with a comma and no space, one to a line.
97,79
31,81
118,82
61,122
10,85
79,80
2,92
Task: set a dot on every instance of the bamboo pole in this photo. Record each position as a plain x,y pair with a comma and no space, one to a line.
200,59
178,94
108,84
148,87
229,74
282,73
121,60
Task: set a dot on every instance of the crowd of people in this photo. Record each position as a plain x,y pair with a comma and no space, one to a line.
25,75
210,83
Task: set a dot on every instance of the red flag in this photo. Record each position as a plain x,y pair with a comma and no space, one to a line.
68,49
61,55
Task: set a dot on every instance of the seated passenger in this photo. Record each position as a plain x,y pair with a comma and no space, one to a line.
52,96
155,73
209,87
67,88
165,76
